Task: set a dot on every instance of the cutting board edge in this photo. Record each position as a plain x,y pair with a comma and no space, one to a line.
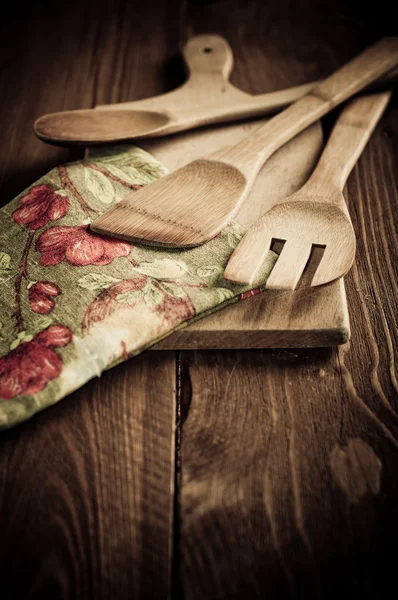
336,333
256,340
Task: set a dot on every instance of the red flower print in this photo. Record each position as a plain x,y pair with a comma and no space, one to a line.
41,296
250,293
54,336
78,246
175,310
171,309
40,205
28,368
106,301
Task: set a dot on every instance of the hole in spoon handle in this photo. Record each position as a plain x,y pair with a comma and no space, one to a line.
208,57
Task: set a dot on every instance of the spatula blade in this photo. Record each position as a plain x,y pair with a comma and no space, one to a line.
183,209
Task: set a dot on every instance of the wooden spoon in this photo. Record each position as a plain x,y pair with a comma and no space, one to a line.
315,215
206,97
191,205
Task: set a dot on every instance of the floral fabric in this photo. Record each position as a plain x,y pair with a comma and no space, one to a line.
73,303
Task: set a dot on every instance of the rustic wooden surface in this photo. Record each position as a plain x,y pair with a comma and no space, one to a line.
286,461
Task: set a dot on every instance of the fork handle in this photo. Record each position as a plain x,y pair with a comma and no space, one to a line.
349,137
250,154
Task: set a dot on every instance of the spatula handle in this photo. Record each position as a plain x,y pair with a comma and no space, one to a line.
250,154
345,145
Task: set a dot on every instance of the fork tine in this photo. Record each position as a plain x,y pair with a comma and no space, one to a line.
334,263
289,266
248,257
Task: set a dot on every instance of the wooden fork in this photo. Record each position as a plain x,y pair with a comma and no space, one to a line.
317,214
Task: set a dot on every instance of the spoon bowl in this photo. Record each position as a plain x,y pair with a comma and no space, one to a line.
99,127
207,97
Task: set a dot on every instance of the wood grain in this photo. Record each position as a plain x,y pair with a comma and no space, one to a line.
87,487
86,490
289,513
289,476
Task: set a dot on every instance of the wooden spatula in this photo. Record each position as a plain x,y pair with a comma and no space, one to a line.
206,97
191,205
317,214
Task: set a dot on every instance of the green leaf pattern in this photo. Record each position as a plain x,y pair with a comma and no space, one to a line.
84,302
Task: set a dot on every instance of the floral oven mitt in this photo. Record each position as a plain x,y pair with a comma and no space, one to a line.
73,303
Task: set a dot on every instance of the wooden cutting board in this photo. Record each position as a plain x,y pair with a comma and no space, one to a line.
273,319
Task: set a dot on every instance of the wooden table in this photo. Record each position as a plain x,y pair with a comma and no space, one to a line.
198,475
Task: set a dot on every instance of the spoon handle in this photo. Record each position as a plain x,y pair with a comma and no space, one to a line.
349,137
250,154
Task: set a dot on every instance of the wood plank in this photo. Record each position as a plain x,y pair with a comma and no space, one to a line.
289,476
86,490
87,486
